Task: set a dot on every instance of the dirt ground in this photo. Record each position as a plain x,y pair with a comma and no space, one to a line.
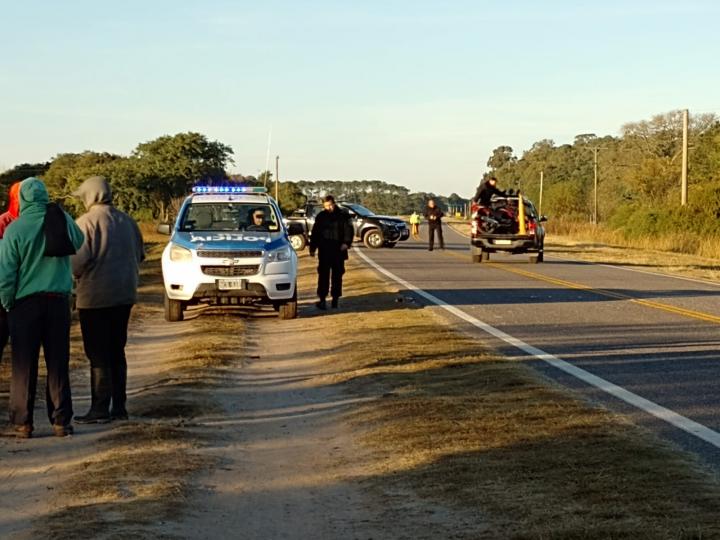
376,420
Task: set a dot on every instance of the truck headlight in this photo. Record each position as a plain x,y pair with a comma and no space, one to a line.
180,254
279,255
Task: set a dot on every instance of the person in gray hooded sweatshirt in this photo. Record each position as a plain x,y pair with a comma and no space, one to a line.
106,268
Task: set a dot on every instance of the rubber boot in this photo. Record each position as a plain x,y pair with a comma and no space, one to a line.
101,390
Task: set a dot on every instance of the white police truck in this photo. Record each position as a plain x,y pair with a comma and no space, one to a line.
229,247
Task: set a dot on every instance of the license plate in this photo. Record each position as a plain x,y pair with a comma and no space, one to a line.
503,242
230,284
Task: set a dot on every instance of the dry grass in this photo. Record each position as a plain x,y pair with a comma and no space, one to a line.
139,476
674,242
141,473
489,438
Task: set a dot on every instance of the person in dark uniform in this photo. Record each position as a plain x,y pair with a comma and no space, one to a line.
486,191
331,236
434,215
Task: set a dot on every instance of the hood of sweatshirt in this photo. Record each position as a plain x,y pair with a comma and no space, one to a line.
33,195
94,190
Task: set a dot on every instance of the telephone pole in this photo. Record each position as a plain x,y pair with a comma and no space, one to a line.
595,150
277,178
541,193
684,174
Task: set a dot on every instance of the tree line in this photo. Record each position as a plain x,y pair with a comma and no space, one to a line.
638,172
639,175
152,181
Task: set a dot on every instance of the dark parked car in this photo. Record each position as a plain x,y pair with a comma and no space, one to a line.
373,230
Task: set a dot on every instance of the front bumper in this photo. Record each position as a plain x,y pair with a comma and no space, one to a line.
395,233
201,279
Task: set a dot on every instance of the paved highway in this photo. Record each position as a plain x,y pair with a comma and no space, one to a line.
648,343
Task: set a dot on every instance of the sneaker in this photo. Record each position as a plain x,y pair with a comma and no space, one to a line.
93,417
334,303
63,431
321,304
23,431
119,415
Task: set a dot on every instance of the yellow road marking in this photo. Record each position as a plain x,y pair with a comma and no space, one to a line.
602,292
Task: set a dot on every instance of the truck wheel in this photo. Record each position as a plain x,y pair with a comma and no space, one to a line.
298,242
173,310
373,239
289,310
535,259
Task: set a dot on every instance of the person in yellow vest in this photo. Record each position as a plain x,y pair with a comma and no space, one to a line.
415,225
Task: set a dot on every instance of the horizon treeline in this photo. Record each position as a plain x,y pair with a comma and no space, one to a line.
638,177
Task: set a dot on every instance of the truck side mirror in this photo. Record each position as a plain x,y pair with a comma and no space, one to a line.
542,219
163,228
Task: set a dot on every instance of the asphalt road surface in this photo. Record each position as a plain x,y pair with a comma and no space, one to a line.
653,340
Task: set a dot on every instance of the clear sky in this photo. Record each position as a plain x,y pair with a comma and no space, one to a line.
411,92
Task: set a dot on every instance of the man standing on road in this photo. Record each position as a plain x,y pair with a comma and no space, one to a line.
106,268
35,287
434,216
331,236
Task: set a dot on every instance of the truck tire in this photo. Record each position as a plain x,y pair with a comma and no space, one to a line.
289,309
298,242
173,310
373,239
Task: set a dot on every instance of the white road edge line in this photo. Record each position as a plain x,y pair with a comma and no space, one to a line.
650,407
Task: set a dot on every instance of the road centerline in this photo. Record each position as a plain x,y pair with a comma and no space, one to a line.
707,317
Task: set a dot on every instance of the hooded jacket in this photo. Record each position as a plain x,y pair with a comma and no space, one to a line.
13,210
24,270
107,264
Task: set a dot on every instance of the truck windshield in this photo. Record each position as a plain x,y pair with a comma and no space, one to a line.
229,216
359,209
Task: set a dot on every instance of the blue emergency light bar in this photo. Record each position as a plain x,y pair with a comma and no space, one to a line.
228,189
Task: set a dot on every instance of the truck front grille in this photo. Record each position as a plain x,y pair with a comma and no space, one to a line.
231,271
229,254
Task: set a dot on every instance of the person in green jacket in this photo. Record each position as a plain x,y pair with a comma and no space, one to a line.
35,289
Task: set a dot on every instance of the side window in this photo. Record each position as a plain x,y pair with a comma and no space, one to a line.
314,210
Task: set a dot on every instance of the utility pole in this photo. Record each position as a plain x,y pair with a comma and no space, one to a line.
684,174
595,150
595,196
277,178
541,193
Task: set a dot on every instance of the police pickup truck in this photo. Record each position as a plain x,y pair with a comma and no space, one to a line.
373,230
229,247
